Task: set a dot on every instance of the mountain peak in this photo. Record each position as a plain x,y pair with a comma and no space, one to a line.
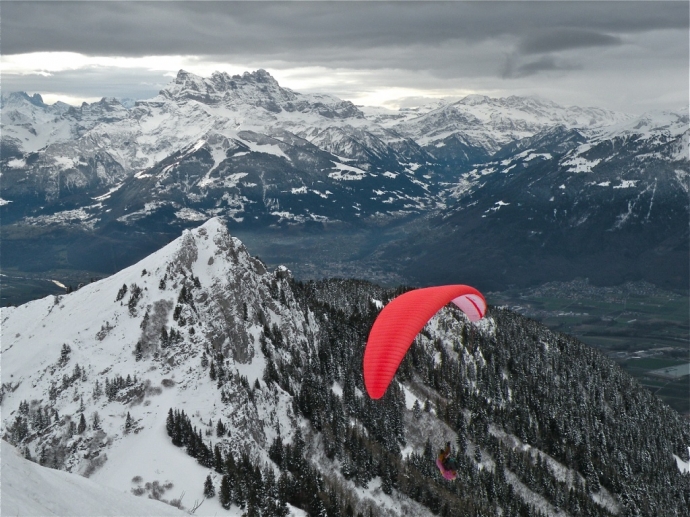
474,99
260,76
19,97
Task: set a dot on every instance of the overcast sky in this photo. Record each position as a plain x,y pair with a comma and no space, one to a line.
626,56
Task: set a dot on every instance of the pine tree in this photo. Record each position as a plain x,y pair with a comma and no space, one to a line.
209,489
477,453
220,429
52,392
82,424
128,423
170,423
64,354
225,495
121,293
217,459
275,451
417,410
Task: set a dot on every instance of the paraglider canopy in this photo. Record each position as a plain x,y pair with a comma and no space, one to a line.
401,320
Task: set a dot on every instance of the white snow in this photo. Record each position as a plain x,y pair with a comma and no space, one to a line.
626,184
346,172
410,398
109,193
682,177
337,389
64,162
31,490
532,156
683,466
579,164
498,205
189,214
16,163
34,333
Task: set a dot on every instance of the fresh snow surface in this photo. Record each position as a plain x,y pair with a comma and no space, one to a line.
683,466
410,398
29,489
33,335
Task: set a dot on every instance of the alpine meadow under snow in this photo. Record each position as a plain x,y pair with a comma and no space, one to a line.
200,378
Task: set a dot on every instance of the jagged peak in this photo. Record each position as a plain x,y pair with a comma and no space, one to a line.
182,76
259,76
34,99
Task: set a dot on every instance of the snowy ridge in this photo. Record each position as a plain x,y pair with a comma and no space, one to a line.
491,123
102,335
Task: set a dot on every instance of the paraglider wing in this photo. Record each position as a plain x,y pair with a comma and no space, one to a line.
401,320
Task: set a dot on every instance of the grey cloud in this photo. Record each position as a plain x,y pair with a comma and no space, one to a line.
543,64
207,28
91,82
435,45
566,39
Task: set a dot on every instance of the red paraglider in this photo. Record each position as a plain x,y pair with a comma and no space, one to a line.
401,320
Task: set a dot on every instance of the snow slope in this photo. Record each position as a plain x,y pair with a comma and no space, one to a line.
31,490
102,334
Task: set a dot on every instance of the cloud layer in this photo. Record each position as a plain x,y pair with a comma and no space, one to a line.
439,46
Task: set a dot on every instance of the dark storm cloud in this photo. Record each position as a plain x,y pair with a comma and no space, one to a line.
289,28
565,39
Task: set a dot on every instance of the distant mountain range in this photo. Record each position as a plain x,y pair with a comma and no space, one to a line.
520,186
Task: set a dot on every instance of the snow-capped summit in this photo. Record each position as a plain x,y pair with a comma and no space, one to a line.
489,123
254,89
157,324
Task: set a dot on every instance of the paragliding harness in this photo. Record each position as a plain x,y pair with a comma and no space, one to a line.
446,465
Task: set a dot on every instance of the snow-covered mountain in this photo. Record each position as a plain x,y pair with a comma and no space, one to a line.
260,156
321,141
610,204
487,124
198,363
